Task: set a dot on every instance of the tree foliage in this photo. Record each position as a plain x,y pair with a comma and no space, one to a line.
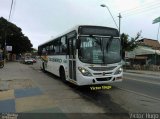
14,37
129,44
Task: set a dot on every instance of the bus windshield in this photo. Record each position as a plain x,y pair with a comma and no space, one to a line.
99,50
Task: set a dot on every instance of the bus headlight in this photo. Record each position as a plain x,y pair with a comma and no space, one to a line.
84,71
119,71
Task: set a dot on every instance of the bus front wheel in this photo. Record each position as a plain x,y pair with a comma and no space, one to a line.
62,75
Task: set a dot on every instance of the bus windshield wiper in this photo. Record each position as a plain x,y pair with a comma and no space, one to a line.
109,43
98,41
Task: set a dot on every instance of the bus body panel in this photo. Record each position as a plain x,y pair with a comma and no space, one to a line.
54,63
85,80
100,73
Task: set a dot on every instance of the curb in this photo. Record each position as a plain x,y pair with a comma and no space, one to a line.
147,73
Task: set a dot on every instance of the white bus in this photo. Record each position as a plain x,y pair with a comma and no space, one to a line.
86,55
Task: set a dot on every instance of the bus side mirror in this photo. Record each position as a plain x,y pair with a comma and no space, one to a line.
78,44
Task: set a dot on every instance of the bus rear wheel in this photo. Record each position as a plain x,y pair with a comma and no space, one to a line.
62,75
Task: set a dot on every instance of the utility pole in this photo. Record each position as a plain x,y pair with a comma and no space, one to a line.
5,33
10,11
158,30
157,40
157,20
120,34
120,23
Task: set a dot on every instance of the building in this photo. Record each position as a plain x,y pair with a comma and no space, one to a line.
147,53
154,44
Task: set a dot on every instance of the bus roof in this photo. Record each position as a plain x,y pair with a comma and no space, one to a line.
71,29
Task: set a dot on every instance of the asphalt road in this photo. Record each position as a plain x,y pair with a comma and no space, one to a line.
148,85
25,88
137,93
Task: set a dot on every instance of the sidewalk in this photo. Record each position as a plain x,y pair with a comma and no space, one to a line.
25,89
154,73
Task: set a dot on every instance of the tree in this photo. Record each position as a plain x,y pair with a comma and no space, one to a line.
14,37
128,44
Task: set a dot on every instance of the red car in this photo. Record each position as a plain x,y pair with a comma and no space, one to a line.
34,60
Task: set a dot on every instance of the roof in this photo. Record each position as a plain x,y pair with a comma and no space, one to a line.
150,42
140,57
141,50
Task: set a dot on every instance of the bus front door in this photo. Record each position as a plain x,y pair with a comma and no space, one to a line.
72,58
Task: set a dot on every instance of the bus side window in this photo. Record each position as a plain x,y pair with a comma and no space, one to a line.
39,51
56,46
52,50
63,46
56,49
47,50
44,51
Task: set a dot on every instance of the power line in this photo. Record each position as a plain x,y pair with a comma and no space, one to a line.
10,10
145,5
142,11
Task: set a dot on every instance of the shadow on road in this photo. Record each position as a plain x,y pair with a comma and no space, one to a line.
98,97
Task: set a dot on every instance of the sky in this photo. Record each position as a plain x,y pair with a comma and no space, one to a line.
42,20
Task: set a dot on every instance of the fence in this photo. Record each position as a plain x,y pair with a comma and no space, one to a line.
143,67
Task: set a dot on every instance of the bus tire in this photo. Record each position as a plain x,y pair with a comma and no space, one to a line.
62,75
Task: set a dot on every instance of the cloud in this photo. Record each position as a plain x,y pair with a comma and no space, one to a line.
126,4
41,19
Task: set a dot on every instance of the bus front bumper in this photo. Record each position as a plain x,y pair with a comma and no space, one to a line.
85,80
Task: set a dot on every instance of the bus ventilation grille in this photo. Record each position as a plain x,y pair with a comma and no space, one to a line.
102,68
103,79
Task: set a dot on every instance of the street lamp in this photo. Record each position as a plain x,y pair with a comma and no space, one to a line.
103,5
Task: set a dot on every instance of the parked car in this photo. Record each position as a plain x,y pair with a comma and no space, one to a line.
34,60
28,60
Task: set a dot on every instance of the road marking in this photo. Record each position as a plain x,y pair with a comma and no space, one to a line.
142,75
155,83
139,94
